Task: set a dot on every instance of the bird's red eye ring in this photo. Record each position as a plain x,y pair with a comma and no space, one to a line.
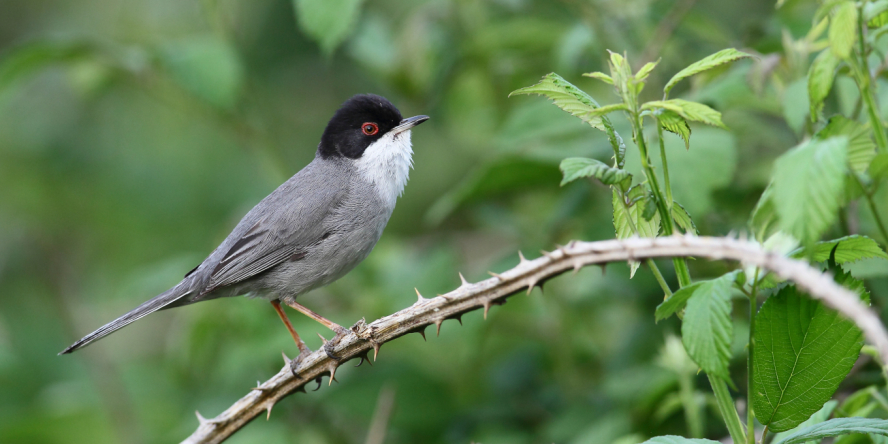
370,128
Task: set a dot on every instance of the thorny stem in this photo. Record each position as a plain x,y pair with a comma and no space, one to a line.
750,382
528,273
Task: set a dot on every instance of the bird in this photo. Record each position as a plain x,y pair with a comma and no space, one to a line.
310,231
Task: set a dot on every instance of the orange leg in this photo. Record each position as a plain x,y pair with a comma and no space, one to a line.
303,349
323,321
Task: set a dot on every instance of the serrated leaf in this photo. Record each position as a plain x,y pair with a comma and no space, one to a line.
693,111
843,29
650,207
624,220
808,185
707,330
676,302
816,418
683,218
672,122
577,167
600,76
328,22
848,249
645,71
836,427
672,439
820,80
878,167
803,351
706,63
861,148
567,97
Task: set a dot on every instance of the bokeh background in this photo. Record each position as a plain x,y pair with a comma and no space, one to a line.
135,134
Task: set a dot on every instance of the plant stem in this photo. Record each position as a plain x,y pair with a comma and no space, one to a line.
764,434
650,262
873,209
681,265
666,181
867,88
727,409
750,383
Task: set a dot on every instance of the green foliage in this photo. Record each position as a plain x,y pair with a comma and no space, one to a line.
843,29
847,249
836,427
693,111
861,148
803,352
720,58
629,217
567,97
820,80
672,439
207,67
577,167
683,218
808,186
674,123
707,330
818,417
676,302
328,22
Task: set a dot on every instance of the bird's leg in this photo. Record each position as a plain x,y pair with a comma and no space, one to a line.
303,349
338,329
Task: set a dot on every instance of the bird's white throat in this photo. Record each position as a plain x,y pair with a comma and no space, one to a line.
386,164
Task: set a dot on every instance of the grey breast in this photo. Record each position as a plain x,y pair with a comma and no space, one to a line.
310,231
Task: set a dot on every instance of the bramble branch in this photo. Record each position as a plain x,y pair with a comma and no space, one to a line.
526,275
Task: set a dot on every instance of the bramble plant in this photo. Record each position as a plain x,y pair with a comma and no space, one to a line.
798,350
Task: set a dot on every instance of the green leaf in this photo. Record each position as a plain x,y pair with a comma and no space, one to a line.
836,427
707,330
861,148
683,218
878,168
22,61
600,76
208,67
676,302
650,207
803,351
624,220
567,97
808,186
645,71
672,122
763,221
875,14
672,439
709,62
820,80
577,167
848,249
327,22
693,111
843,29
817,418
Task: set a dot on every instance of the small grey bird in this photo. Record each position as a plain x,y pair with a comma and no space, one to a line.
311,230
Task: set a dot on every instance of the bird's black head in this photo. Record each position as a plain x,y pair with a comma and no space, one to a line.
362,120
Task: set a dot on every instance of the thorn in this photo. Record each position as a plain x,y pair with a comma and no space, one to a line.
577,266
201,419
422,332
332,371
521,258
268,415
322,339
530,286
497,275
376,346
318,380
364,358
464,281
458,318
286,359
301,389
438,323
419,297
486,309
548,254
563,249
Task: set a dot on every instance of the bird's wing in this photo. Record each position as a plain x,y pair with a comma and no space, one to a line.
286,223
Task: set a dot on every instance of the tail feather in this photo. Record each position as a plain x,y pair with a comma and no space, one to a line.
158,302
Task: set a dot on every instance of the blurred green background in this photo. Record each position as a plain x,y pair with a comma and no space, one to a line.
135,134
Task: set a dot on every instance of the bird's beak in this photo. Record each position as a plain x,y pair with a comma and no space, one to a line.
408,123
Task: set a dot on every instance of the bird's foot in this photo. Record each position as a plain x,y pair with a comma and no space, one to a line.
341,332
294,363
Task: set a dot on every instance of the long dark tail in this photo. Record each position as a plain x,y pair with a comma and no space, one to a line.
158,302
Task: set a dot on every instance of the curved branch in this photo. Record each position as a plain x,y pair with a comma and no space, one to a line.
526,275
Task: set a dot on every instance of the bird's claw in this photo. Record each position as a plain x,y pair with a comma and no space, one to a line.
332,343
295,362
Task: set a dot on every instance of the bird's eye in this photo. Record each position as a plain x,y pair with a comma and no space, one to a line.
370,128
